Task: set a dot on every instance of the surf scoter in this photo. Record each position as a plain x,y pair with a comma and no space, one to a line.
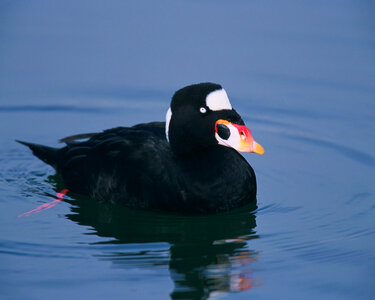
187,164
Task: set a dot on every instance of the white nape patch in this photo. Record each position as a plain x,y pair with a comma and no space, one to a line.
167,121
218,100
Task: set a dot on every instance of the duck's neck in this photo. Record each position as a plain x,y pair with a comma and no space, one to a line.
187,147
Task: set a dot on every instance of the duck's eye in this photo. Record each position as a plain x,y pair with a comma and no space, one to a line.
203,110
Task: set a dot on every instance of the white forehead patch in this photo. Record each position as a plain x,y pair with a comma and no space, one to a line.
167,121
218,100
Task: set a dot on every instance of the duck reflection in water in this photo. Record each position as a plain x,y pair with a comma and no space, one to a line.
208,255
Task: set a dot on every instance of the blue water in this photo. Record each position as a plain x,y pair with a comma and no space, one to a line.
302,76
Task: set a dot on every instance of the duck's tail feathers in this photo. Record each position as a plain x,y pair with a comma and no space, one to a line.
47,154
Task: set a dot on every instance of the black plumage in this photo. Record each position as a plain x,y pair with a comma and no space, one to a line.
138,167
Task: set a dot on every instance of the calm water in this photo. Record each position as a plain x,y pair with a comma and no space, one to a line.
302,75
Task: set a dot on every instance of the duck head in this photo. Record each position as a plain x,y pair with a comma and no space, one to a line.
201,116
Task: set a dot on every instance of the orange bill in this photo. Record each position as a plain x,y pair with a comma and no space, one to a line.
236,136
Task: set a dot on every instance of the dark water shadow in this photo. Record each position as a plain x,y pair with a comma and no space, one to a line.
205,255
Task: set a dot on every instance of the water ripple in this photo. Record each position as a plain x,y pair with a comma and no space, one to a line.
349,152
41,250
84,106
354,154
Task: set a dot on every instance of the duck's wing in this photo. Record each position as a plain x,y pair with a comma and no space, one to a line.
106,163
